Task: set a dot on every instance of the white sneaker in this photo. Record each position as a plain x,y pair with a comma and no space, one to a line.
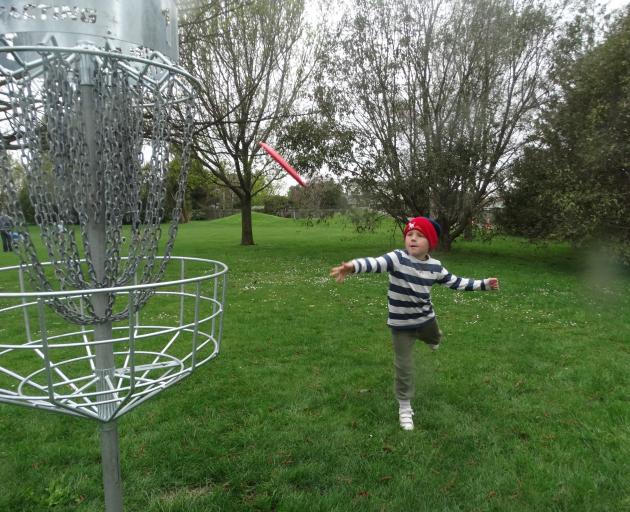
405,417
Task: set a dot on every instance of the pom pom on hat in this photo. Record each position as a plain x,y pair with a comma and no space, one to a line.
428,227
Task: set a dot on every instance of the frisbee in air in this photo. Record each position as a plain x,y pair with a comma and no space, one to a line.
284,164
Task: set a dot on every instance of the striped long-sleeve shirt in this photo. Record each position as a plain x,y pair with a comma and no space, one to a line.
410,282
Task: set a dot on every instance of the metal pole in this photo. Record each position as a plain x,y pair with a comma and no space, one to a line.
104,353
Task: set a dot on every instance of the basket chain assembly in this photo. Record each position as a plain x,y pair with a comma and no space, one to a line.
129,110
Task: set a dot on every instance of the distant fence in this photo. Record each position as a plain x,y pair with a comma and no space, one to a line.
301,213
290,213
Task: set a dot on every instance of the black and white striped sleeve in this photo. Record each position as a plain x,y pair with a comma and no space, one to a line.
461,283
383,263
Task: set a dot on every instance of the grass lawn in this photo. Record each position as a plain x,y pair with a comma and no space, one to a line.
526,406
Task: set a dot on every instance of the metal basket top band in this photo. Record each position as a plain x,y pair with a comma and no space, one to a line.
121,24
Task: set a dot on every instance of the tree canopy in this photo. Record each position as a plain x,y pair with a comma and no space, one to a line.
576,174
250,75
436,97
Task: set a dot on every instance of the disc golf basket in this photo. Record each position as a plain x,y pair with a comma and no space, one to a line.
92,101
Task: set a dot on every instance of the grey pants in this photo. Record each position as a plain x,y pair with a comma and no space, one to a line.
403,342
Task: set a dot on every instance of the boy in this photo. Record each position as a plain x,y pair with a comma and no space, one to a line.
412,272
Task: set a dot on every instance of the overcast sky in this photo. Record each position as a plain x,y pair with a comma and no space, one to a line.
615,4
287,182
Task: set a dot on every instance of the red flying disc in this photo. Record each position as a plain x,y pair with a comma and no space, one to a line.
285,165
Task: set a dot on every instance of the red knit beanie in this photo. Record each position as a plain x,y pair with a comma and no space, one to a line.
428,227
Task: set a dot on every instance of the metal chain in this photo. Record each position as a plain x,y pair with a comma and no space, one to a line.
64,191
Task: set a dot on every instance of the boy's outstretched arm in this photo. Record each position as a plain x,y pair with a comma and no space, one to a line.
340,272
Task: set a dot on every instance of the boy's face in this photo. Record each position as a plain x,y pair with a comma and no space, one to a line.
416,244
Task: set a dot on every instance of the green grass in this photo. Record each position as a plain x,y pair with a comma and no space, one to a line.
524,408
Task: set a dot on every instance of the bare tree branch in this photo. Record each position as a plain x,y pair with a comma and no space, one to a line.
250,75
439,95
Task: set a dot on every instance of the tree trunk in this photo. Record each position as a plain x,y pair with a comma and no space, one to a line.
468,232
445,243
247,235
446,240
184,217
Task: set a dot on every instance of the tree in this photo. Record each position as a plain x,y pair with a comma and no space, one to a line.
250,75
578,167
319,195
199,194
277,205
25,204
316,140
17,174
437,96
525,210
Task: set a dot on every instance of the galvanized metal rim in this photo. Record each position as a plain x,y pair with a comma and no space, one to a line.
101,53
223,268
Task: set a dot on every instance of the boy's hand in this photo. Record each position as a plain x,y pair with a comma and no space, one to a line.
493,282
340,272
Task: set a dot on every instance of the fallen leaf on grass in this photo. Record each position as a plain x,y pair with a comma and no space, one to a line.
448,485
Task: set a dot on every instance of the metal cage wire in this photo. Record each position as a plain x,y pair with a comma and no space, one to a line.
155,349
84,88
82,118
